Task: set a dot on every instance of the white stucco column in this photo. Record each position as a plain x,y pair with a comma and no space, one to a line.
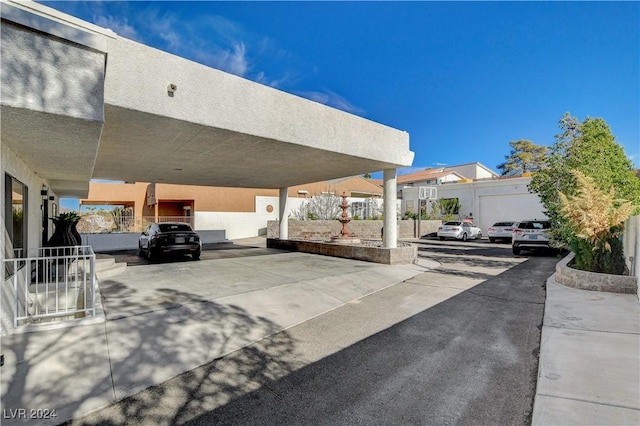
284,214
390,196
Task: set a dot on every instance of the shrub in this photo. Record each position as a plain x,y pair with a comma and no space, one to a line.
596,220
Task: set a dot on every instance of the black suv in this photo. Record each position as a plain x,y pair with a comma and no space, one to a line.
531,235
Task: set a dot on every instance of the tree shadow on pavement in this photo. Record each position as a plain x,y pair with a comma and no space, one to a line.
81,369
471,359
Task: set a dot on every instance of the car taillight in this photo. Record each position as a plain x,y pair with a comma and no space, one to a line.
518,231
492,229
439,228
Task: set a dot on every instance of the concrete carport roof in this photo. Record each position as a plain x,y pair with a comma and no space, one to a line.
105,109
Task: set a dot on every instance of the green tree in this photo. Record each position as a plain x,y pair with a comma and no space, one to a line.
525,157
445,208
591,148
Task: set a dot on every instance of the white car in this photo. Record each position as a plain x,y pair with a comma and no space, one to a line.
501,230
530,235
459,230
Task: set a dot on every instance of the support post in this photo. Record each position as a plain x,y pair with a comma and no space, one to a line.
390,223
283,213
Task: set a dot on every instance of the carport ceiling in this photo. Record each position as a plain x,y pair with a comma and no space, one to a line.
138,146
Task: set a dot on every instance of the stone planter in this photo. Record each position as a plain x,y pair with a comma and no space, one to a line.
593,281
390,256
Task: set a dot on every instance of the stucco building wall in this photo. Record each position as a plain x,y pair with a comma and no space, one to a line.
487,201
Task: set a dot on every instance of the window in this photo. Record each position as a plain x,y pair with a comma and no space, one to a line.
15,215
173,227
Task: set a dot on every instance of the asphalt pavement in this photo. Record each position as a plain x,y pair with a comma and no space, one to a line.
457,344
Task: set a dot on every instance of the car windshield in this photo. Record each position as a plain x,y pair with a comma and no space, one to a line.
503,224
452,223
172,227
535,225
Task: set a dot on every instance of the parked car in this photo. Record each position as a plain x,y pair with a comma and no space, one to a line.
459,230
501,231
531,235
169,237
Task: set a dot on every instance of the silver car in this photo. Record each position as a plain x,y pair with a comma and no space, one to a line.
459,230
501,231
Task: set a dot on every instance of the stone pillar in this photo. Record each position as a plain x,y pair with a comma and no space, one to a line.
390,223
284,214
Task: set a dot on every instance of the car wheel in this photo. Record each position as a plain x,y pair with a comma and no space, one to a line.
516,250
150,256
464,237
140,251
441,238
196,255
493,240
479,235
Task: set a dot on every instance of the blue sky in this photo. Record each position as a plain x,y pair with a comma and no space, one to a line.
463,78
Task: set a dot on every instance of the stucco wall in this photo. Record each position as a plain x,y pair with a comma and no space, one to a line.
241,105
13,165
10,163
51,90
369,229
69,79
631,245
244,224
214,199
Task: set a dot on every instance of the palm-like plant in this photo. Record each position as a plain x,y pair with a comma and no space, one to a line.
597,221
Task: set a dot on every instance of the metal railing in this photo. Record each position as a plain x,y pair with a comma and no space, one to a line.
96,224
54,283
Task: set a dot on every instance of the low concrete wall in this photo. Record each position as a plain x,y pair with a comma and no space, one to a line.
395,256
369,229
129,240
594,281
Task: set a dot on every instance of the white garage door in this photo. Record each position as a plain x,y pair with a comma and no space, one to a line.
496,208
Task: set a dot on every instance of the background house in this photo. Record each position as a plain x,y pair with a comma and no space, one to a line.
239,212
484,201
482,195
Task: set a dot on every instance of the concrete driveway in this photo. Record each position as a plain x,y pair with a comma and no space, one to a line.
164,319
457,344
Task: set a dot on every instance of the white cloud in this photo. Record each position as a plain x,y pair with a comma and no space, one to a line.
231,60
330,98
120,27
262,79
172,38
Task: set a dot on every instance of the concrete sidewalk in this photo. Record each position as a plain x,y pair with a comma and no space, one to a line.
589,370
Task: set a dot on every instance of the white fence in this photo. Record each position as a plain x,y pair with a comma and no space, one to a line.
55,283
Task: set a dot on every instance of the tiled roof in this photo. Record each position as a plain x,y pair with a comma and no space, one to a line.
423,175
